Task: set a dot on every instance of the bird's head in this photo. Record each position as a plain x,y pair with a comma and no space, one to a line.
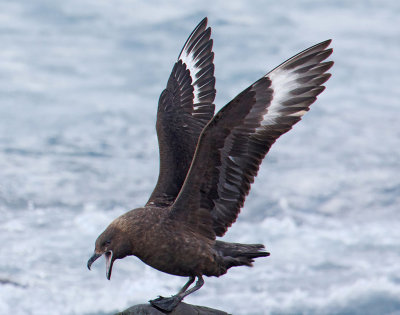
113,243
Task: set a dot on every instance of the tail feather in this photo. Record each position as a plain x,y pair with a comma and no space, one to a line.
235,254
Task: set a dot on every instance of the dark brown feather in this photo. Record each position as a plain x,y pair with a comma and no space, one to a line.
233,145
184,108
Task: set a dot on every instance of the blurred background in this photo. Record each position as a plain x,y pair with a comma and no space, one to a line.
79,88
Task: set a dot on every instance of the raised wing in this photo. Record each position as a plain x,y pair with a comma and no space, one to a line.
184,108
234,143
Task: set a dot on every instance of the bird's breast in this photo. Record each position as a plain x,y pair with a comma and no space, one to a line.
173,249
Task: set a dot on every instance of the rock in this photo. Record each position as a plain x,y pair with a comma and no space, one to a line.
181,309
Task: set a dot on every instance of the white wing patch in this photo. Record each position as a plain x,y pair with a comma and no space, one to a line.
296,83
190,62
282,83
197,57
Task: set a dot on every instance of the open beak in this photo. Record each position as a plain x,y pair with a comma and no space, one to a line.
92,259
109,263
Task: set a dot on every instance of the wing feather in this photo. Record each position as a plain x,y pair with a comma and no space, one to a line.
234,143
184,108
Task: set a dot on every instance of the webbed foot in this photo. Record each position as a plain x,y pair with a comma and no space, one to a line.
166,304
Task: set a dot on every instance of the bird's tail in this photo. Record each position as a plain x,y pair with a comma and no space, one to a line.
235,254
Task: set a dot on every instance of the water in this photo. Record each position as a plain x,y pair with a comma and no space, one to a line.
79,85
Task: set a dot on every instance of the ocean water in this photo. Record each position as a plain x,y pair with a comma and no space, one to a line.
79,87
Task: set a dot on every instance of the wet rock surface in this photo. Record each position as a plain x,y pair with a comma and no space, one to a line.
181,309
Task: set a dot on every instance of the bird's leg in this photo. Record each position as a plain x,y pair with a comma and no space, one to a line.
187,285
197,286
168,304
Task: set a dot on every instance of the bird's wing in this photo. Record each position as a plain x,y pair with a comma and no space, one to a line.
184,108
232,146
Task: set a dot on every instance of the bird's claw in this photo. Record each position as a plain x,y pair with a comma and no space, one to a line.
166,304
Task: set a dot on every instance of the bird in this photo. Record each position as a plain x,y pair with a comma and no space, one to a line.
208,163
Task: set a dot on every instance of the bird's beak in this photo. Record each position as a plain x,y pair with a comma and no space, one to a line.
92,259
109,263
